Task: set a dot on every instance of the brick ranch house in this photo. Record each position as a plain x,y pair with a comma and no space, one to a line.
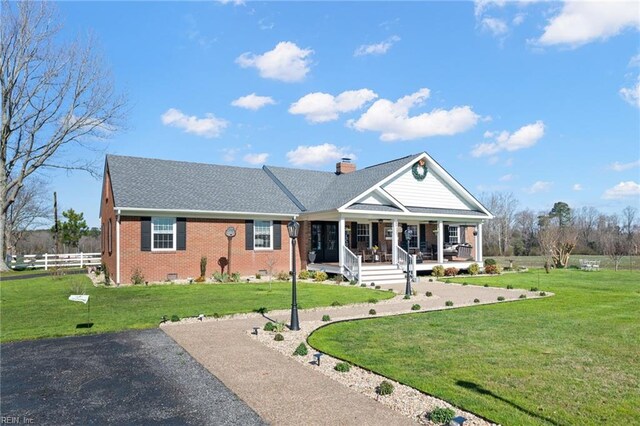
162,216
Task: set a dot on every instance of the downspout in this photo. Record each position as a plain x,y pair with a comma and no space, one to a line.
118,247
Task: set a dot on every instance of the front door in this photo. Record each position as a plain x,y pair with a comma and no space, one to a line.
324,241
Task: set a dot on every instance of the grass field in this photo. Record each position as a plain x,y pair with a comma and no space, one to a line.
39,307
570,359
626,263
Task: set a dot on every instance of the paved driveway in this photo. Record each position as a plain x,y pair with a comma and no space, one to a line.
134,377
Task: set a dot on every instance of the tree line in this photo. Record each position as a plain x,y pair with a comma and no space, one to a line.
559,232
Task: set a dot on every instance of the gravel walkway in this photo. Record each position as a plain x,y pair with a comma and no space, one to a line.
287,390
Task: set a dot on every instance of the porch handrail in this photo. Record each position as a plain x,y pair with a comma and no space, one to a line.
352,264
402,258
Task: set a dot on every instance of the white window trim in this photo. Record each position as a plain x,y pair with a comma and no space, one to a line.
416,235
270,235
174,234
457,234
369,233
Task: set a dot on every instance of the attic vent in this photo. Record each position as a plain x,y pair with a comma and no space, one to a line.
345,166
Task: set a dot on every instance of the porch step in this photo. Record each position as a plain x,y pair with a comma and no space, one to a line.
382,274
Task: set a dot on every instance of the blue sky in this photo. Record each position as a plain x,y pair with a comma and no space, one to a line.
540,99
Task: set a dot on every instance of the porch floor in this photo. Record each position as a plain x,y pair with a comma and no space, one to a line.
426,265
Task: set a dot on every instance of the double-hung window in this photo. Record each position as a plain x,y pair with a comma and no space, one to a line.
413,243
454,237
363,233
262,235
163,233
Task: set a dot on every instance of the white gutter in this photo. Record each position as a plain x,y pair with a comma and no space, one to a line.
204,213
118,247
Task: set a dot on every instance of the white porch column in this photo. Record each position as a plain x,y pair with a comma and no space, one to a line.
479,244
341,232
394,242
118,248
440,242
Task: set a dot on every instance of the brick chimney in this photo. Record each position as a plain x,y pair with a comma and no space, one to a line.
345,166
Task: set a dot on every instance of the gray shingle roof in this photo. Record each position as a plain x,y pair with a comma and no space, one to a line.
433,210
163,184
374,207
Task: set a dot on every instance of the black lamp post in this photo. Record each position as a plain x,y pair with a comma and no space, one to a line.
408,234
294,227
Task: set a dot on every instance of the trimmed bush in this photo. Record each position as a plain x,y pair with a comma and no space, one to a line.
438,271
486,285
500,298
278,337
509,287
490,262
278,327
415,307
448,303
473,269
465,283
451,272
406,297
523,296
542,293
216,315
372,300
342,367
476,300
534,288
175,318
372,312
304,274
491,269
384,388
338,279
136,276
258,276
428,294
442,416
301,350
363,285
320,276
353,282
430,280
268,326
336,303
200,279
283,276
378,287
326,318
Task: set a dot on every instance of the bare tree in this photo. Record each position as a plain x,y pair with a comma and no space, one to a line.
557,235
525,230
54,96
29,211
586,221
498,231
613,240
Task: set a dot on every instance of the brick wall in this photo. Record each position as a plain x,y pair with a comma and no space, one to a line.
205,237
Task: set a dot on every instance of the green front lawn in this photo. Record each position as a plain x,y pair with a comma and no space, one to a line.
39,307
569,359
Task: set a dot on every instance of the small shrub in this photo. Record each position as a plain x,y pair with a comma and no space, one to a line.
175,318
442,416
258,276
476,300
523,296
363,285
406,297
378,287
221,277
372,284
136,276
415,307
490,262
542,293
430,280
509,287
414,292
262,310
278,337
353,282
301,350
321,276
304,274
200,279
342,367
372,312
448,303
283,276
491,269
384,388
500,298
534,288
268,326
336,303
438,271
390,289
486,285
203,266
465,283
107,277
372,300
451,272
326,318
338,279
312,274
278,327
216,315
428,294
473,269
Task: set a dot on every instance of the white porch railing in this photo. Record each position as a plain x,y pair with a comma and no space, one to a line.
352,264
65,260
402,262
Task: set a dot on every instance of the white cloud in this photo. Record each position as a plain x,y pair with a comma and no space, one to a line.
524,137
496,26
506,178
317,155
376,49
234,2
634,61
632,94
253,101
621,167
622,190
321,107
482,5
392,119
539,186
577,187
210,126
518,19
581,22
256,158
286,62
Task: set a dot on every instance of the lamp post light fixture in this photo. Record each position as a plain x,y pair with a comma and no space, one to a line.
293,228
408,234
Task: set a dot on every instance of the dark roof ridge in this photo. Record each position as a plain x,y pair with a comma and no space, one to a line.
283,188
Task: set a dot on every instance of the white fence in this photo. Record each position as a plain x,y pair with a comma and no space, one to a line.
46,261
